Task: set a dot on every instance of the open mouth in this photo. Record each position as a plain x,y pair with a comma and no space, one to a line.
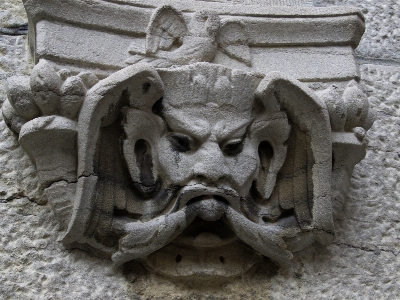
210,205
206,234
197,218
206,251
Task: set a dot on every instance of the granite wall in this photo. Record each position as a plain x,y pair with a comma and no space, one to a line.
362,263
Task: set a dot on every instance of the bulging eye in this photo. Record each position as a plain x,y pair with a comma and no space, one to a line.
181,142
233,147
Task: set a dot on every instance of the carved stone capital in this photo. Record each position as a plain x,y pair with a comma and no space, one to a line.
196,141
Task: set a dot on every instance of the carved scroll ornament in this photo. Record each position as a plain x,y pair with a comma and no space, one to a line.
198,170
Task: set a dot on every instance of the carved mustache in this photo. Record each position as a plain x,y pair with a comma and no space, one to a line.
195,192
209,203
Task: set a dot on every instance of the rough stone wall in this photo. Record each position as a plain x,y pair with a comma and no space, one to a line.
362,263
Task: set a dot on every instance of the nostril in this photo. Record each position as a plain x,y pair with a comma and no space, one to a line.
213,177
212,167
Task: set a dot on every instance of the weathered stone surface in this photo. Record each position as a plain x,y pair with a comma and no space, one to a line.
14,57
17,173
12,14
359,264
382,35
18,177
41,269
362,263
374,224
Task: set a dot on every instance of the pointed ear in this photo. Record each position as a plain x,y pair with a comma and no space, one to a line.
142,132
270,131
137,86
308,165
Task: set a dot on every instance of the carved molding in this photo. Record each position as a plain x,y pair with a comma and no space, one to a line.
299,41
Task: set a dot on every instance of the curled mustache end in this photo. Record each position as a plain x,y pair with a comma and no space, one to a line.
145,238
266,239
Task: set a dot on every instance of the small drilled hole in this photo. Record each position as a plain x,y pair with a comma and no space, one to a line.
265,219
222,259
178,258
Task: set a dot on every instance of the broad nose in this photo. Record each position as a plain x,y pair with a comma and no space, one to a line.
211,164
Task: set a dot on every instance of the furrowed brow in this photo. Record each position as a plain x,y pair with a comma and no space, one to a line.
196,128
238,129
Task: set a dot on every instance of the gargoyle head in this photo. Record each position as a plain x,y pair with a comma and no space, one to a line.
206,188
212,142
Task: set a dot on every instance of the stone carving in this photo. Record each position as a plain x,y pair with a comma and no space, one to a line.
298,41
197,170
170,41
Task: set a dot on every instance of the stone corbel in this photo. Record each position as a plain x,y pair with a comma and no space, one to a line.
200,147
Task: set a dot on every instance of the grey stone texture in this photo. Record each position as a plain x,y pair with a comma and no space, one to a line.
17,172
362,263
381,40
14,58
12,14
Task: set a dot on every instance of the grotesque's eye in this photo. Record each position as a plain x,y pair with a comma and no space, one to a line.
233,147
180,142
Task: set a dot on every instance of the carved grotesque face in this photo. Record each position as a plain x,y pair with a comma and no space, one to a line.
203,188
205,158
218,167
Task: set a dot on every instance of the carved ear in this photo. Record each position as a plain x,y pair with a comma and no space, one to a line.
270,130
140,86
305,179
142,130
135,86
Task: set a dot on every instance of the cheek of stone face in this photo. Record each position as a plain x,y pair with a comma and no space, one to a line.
243,169
175,167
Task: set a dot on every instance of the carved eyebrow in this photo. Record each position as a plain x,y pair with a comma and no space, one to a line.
197,131
232,132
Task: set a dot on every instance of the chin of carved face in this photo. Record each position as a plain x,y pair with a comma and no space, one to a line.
207,251
207,248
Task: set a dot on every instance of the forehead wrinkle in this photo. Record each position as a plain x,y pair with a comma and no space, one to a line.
224,130
194,127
